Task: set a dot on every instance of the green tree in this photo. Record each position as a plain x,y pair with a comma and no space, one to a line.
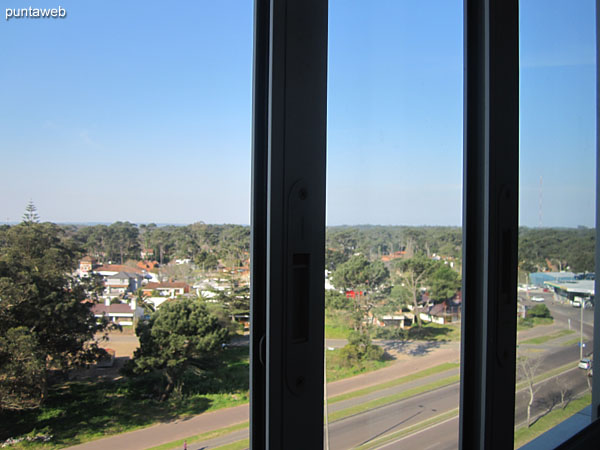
413,274
22,370
181,335
540,310
335,300
359,274
123,241
359,349
31,215
443,283
38,292
334,258
206,260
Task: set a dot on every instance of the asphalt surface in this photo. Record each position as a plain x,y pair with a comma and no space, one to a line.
369,426
365,427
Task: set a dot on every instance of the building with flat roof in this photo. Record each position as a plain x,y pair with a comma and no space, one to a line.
568,290
539,278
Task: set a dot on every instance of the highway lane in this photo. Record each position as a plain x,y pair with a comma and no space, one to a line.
368,426
443,436
362,428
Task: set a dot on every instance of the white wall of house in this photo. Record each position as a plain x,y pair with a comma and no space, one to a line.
434,319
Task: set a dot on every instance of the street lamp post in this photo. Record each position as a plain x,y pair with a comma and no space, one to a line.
581,330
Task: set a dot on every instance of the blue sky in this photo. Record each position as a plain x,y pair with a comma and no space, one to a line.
141,111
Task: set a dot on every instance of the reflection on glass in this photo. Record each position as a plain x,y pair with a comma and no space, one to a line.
393,249
557,214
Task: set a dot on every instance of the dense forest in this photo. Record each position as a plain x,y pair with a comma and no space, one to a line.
540,249
203,244
207,245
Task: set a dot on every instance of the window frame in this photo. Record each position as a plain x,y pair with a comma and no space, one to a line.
289,103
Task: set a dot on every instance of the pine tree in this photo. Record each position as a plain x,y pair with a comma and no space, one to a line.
31,215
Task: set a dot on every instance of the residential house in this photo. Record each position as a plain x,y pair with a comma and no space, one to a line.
166,289
113,269
147,253
122,283
119,313
86,265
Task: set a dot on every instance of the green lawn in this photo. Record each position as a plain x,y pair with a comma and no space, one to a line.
526,324
239,445
338,372
548,337
406,379
435,332
336,331
201,437
79,411
571,342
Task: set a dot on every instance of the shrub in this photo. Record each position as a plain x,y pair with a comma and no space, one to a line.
359,349
540,310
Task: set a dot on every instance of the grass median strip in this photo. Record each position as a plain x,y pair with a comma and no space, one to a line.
201,437
239,445
406,379
392,398
571,342
548,337
409,430
549,374
550,420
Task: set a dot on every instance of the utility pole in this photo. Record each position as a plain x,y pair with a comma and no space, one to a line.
540,201
581,330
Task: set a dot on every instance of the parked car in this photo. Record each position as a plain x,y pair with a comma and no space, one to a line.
537,299
585,363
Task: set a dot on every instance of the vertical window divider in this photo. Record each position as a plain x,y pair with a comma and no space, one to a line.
289,200
258,239
490,224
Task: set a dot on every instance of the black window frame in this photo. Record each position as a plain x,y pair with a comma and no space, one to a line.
288,226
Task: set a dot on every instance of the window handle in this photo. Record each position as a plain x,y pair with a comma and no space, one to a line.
298,289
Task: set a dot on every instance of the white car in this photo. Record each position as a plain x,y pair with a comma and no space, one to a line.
585,363
537,299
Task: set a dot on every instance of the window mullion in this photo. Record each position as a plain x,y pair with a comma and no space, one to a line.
490,224
295,224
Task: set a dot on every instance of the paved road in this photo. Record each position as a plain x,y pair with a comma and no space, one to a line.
362,428
443,436
411,358
370,425
562,312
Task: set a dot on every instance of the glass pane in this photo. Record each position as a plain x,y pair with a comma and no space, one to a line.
557,213
394,240
125,175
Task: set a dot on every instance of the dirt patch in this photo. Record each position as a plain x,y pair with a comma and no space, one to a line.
124,344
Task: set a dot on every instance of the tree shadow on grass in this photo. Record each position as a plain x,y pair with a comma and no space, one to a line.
412,348
430,333
77,410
